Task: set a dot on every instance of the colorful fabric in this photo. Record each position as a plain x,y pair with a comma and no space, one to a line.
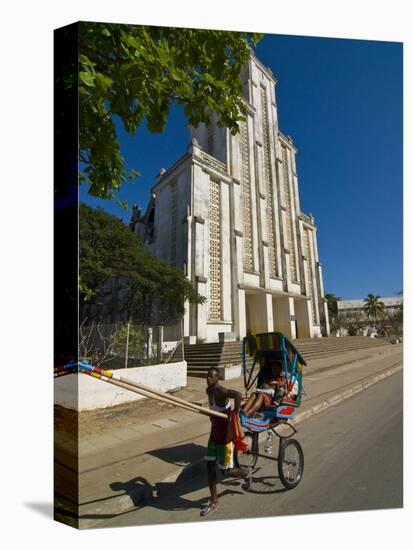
239,437
222,454
268,341
255,424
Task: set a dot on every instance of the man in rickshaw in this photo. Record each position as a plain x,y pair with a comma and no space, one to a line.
220,443
272,390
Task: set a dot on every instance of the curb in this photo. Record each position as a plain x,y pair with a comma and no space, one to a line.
314,370
338,398
137,498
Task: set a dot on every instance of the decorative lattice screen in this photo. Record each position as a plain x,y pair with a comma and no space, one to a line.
268,185
246,199
215,309
290,221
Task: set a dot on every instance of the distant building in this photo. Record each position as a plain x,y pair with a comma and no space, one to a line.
349,310
391,305
228,214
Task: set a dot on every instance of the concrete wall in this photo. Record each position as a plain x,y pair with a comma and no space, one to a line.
82,392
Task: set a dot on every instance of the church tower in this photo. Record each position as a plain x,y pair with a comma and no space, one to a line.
228,213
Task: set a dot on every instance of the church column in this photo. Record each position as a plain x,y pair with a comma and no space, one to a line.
240,323
312,270
269,312
324,317
200,248
201,280
237,271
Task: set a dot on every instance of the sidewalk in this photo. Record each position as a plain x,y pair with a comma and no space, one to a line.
120,469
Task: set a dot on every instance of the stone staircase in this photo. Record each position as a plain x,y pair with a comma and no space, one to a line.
227,355
223,355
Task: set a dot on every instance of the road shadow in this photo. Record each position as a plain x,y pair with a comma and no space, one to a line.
180,455
168,495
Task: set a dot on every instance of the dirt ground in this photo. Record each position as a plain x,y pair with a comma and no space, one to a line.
98,421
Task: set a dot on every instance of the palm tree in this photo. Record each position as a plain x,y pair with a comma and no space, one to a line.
332,300
374,308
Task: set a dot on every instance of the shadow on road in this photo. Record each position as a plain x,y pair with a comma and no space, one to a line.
180,455
162,495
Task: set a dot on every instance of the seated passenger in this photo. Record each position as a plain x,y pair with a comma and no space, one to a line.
271,391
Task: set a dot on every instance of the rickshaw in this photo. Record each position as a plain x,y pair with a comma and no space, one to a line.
257,351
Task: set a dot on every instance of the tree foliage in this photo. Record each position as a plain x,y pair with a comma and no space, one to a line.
353,322
136,72
128,335
332,300
373,307
109,251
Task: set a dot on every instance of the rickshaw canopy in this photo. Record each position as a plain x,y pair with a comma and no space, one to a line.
267,346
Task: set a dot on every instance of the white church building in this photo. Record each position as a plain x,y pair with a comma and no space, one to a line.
228,214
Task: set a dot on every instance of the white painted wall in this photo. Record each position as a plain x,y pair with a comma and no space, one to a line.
81,392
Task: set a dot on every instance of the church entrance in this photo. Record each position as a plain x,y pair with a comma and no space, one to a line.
282,315
302,318
256,313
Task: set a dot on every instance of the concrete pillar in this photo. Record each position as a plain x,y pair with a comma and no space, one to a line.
325,328
202,309
269,313
188,324
312,261
240,322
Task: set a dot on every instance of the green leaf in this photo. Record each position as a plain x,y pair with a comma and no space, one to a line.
87,78
135,72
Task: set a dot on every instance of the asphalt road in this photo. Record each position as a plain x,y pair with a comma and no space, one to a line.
353,461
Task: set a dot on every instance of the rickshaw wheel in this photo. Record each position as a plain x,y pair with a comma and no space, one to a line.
290,463
248,459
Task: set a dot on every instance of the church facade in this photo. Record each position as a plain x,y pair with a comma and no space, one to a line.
228,214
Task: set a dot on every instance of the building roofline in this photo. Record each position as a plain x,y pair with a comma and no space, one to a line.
387,300
266,70
288,141
169,171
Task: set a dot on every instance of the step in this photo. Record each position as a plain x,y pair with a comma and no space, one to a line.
200,357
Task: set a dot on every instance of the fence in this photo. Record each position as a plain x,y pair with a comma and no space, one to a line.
128,344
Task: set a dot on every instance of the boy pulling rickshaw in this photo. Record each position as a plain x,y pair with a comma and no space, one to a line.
278,395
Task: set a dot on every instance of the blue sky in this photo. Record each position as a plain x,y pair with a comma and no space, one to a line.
341,102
